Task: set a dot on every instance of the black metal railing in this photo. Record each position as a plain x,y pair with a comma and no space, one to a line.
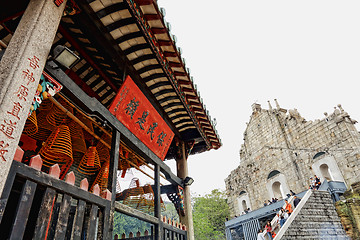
39,206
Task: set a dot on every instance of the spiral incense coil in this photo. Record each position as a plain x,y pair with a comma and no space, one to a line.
42,134
141,198
88,123
45,105
57,148
31,126
102,177
90,163
77,137
133,195
51,117
103,151
55,116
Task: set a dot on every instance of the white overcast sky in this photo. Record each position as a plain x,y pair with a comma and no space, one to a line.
304,53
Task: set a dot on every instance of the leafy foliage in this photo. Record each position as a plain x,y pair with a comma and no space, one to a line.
209,215
126,224
170,211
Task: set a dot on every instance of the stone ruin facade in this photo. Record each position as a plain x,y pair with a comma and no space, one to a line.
281,150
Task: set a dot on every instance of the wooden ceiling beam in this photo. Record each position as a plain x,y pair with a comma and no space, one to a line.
180,74
158,30
165,43
183,82
187,90
150,17
81,51
170,54
175,64
190,97
144,2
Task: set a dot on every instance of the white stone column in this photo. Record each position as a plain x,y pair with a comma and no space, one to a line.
182,172
20,71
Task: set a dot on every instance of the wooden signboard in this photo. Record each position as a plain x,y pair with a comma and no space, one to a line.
134,110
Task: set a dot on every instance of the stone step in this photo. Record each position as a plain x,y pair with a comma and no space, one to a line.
316,238
315,232
318,225
317,219
318,212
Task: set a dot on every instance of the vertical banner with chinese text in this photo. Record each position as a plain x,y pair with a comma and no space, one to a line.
134,110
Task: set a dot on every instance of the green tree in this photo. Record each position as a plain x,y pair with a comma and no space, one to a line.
170,211
209,215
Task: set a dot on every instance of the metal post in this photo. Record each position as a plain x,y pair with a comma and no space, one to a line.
113,167
157,203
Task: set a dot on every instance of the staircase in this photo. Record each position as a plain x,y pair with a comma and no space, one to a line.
314,218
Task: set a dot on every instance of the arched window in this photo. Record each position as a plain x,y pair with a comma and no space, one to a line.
244,206
273,173
241,193
325,172
276,188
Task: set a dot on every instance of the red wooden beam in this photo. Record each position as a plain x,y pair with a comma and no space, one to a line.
150,17
165,43
200,115
190,97
180,74
81,51
144,2
158,30
175,64
170,54
189,90
195,108
183,82
196,104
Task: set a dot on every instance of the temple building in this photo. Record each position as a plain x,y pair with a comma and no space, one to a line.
282,150
90,89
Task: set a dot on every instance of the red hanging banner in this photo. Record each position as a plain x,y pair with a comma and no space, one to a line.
134,110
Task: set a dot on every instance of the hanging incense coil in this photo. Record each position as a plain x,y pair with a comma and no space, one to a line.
89,124
77,137
57,148
31,126
102,177
50,118
90,163
103,151
45,105
57,116
141,198
133,195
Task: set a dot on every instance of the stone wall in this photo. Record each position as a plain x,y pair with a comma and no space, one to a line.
349,211
282,147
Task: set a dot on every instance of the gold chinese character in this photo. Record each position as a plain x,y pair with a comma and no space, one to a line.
8,128
15,110
22,92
